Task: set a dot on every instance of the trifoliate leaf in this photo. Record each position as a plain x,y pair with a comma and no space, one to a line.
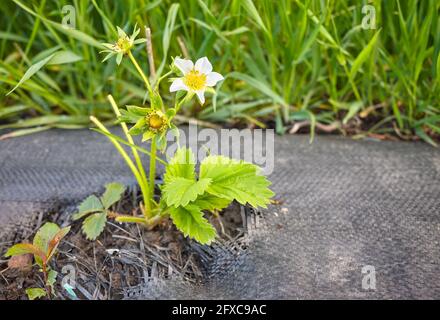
89,205
181,191
182,165
94,224
24,248
191,222
35,293
210,202
112,194
239,180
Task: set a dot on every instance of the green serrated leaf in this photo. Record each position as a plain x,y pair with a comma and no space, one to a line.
112,194
210,202
239,180
35,293
181,191
181,165
94,224
191,222
89,205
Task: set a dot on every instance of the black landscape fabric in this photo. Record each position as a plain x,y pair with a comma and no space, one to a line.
349,210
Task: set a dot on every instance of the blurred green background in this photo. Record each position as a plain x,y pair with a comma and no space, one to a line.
295,65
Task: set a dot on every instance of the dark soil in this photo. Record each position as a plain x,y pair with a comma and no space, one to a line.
124,255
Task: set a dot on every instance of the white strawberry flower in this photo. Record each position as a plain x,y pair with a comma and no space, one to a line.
196,78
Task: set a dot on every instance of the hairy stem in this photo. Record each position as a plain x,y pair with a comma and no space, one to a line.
47,287
141,73
149,223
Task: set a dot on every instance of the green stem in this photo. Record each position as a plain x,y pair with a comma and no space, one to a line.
150,223
152,167
130,219
46,286
141,73
144,186
178,104
156,86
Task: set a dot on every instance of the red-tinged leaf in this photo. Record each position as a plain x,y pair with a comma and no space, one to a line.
24,248
53,244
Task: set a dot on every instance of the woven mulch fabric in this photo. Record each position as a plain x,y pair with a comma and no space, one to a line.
345,205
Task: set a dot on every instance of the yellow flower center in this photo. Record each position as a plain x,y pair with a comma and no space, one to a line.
155,121
195,80
124,44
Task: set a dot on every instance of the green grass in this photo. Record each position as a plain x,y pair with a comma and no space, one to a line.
285,61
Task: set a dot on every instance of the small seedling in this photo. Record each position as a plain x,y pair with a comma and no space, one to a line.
184,195
96,210
43,248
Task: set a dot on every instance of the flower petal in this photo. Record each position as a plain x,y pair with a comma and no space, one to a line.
178,85
201,95
119,58
184,65
203,65
212,78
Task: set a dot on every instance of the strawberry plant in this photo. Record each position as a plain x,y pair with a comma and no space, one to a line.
220,180
185,195
96,210
43,248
